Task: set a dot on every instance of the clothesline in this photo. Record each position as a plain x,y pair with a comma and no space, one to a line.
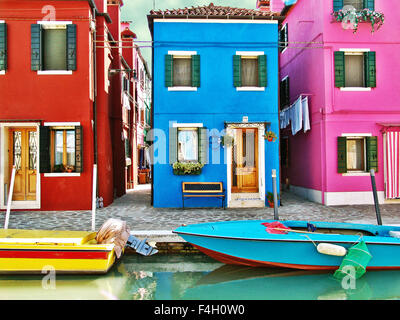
296,114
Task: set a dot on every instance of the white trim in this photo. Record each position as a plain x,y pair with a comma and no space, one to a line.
355,174
188,20
250,53
355,50
54,72
250,88
54,24
2,21
62,174
56,124
18,204
356,135
2,72
183,53
355,89
187,125
182,88
352,198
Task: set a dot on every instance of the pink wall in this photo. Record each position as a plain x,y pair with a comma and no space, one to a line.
334,112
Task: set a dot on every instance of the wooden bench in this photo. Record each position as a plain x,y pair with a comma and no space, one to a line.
203,189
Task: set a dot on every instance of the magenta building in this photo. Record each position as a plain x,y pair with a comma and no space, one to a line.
352,85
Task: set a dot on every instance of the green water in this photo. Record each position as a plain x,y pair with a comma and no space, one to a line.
197,277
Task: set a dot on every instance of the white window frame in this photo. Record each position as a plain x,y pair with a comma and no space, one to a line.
250,54
355,51
357,136
182,53
54,25
285,26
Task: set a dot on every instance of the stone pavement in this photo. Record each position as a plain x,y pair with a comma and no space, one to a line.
135,209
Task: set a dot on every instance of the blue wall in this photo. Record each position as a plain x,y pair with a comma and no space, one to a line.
216,100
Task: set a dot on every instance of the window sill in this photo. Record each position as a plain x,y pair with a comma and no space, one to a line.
250,88
2,72
355,174
55,72
182,88
62,174
355,89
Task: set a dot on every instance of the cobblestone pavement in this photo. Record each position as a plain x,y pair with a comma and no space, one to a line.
135,209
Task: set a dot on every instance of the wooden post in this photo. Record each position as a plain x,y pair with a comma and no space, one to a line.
94,197
377,210
276,216
10,195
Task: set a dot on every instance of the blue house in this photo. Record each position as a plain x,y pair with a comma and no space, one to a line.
215,103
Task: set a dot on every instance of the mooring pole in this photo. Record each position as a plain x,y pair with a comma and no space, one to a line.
276,216
378,212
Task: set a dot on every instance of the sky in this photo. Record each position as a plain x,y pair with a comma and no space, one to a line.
137,11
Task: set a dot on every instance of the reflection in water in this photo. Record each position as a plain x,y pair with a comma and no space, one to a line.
197,277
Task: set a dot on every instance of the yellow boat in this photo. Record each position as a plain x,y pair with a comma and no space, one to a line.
35,251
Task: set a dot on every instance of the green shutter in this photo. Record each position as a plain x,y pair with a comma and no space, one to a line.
36,47
237,72
262,71
339,69
285,93
173,145
370,69
196,70
71,47
169,70
342,154
78,149
369,4
372,153
3,46
44,149
203,145
337,5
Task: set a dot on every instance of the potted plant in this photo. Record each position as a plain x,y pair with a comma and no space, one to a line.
187,168
69,168
270,136
227,140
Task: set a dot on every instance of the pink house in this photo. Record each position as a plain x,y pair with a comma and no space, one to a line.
353,89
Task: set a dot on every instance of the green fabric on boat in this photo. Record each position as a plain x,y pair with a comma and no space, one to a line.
355,262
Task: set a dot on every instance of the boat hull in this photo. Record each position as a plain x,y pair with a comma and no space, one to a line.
34,252
248,243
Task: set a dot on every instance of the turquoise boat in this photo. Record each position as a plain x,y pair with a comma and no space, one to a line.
306,245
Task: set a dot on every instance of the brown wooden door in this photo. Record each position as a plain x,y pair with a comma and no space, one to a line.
245,161
23,143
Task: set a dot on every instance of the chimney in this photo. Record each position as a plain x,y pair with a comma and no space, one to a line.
263,5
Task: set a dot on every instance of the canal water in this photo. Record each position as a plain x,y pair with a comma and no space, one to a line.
198,277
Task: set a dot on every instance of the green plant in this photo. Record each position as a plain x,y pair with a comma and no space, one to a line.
187,168
227,140
357,16
270,136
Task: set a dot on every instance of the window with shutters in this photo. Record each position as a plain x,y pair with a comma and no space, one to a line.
182,71
284,93
355,70
250,71
357,154
61,149
53,47
357,4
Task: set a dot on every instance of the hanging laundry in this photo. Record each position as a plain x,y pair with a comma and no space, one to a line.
284,119
306,117
296,116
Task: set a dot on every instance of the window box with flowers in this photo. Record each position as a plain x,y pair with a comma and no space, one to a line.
187,168
353,17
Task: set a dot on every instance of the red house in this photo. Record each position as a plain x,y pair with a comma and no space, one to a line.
61,103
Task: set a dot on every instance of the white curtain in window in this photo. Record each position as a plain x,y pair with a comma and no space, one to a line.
187,145
182,72
249,72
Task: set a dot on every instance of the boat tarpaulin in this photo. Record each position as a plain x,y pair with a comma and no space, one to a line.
275,227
